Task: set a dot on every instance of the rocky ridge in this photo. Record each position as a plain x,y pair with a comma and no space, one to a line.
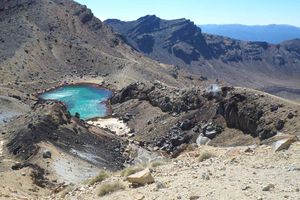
180,42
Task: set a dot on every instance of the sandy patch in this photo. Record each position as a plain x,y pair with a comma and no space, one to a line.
86,79
10,108
70,170
65,167
113,124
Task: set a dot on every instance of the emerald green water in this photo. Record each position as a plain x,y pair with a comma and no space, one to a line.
87,100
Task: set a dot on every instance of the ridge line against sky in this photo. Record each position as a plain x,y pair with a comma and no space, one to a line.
246,12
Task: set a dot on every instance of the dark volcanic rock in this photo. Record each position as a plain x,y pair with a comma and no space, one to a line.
211,130
186,125
241,115
52,123
290,115
265,133
279,124
166,98
196,115
47,154
274,107
173,140
37,174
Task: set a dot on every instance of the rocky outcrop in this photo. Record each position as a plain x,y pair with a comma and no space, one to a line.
202,116
241,115
84,14
168,99
51,122
172,141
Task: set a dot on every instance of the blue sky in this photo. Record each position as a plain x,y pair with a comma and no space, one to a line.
251,12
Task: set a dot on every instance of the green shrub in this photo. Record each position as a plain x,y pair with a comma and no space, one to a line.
99,178
204,156
108,188
66,191
154,164
131,170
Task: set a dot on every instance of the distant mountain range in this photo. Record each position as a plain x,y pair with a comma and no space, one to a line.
182,43
274,34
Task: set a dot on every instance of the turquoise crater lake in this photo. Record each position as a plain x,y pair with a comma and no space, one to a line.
87,100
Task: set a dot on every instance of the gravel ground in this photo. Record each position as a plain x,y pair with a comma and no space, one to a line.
232,173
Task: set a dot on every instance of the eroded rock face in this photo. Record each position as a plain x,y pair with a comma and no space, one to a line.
241,114
253,114
51,122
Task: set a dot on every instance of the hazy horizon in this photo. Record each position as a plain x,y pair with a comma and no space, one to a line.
251,25
255,12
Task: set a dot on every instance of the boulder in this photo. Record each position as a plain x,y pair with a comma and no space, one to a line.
126,117
17,166
265,133
141,178
274,107
202,140
186,125
290,115
211,130
210,134
268,187
47,154
283,143
279,125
